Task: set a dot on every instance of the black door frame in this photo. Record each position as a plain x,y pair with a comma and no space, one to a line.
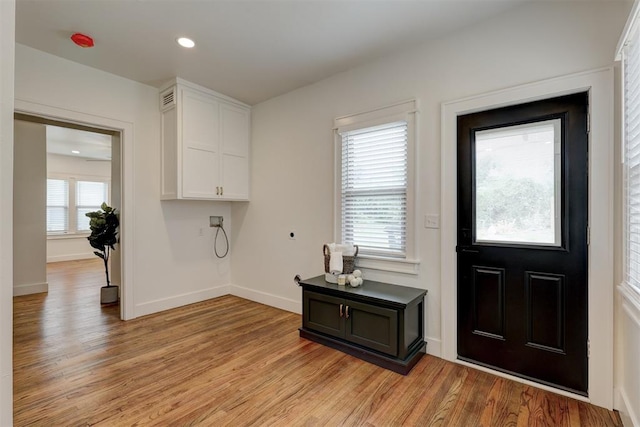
599,84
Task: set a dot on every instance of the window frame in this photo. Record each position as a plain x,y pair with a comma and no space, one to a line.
72,216
631,34
403,111
64,207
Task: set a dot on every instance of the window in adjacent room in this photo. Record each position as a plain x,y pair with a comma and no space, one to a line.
57,205
89,197
375,184
69,199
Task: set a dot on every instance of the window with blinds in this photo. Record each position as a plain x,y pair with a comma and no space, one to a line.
57,205
631,67
69,199
89,197
374,189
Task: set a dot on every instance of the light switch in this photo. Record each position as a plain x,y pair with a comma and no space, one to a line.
431,221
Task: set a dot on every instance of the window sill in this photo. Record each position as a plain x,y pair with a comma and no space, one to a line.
405,266
630,295
67,236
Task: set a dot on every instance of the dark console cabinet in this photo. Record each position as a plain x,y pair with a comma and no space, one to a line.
377,322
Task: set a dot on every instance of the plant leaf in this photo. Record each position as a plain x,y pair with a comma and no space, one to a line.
100,254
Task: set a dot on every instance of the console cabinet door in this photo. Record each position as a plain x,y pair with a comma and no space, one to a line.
322,313
372,327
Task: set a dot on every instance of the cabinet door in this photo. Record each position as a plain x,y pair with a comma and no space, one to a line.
234,143
321,313
372,327
200,146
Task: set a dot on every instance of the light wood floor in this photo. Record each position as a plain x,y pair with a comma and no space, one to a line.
229,361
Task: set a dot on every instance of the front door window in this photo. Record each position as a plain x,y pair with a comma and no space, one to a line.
517,184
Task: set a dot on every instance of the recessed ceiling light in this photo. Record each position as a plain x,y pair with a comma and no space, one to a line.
185,42
75,151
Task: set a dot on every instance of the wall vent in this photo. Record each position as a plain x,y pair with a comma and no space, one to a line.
168,99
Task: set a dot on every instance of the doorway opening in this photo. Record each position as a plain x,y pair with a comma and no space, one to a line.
62,170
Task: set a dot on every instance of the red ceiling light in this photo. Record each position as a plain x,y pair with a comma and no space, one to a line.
82,40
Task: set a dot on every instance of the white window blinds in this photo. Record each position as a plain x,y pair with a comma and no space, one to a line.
69,199
57,205
374,189
89,196
631,64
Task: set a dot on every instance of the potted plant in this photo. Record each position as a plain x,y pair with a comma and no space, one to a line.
104,235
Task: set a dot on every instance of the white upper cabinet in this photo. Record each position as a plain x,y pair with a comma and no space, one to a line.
205,144
234,127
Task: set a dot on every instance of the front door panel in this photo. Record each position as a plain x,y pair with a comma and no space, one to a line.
522,240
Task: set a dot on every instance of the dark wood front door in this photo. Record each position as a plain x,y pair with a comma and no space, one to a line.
522,240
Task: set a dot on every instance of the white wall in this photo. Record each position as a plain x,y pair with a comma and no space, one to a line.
67,248
628,381
29,208
69,165
530,43
116,201
172,265
7,39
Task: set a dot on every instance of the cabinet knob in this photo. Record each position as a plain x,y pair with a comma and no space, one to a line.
340,310
347,312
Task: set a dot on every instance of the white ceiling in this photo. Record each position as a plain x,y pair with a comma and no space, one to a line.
91,145
251,50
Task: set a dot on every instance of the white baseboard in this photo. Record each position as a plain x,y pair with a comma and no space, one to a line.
433,346
33,288
70,257
267,299
626,410
180,300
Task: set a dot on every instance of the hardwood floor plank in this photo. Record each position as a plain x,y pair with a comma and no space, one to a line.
502,404
472,399
438,370
233,362
412,393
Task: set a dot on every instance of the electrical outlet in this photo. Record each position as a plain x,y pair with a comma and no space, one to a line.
215,221
432,221
201,232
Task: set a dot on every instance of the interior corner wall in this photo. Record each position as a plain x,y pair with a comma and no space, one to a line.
29,208
292,138
7,61
172,264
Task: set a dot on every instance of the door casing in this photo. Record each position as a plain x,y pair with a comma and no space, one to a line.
126,140
599,84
